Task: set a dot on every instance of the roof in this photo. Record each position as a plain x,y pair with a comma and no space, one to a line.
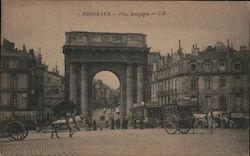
219,44
87,32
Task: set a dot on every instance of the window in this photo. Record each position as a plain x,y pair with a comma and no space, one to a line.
222,83
223,103
168,99
237,83
193,84
207,67
237,66
194,98
102,118
56,91
13,64
238,104
13,81
208,102
207,83
14,98
222,66
193,67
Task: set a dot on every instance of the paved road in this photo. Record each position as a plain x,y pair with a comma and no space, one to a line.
147,142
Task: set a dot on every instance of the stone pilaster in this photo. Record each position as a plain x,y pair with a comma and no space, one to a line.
72,83
84,91
129,90
140,95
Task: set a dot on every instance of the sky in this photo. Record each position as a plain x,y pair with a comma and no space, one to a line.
42,24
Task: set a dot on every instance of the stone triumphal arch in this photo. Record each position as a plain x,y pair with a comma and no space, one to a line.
124,54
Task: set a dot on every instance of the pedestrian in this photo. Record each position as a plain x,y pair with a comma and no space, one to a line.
134,123
112,123
126,124
107,123
118,123
123,124
219,121
94,126
90,126
141,123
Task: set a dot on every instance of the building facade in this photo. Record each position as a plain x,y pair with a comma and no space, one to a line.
217,77
103,96
18,79
53,91
25,88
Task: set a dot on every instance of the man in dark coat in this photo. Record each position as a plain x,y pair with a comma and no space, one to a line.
118,123
94,126
141,123
112,123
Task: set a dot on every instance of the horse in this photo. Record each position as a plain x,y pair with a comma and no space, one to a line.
200,120
56,125
209,120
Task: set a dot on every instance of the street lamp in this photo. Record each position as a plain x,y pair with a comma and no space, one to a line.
197,92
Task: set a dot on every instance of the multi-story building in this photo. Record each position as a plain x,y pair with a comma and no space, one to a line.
17,78
106,102
153,59
217,77
53,90
24,82
104,96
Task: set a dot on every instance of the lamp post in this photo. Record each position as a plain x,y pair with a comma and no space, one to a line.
197,93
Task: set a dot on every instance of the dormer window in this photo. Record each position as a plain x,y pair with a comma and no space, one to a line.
222,66
193,67
237,66
207,67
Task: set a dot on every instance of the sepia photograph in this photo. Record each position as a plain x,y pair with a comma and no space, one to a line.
124,78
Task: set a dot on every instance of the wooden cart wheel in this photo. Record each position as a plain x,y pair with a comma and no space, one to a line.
184,126
184,129
15,130
171,125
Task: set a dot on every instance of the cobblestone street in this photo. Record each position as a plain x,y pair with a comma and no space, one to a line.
147,142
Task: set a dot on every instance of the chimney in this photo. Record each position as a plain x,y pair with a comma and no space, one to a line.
195,50
209,47
24,49
31,51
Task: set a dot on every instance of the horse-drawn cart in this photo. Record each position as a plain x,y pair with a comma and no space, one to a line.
178,117
15,125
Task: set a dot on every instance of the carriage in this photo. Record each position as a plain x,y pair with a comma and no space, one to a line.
178,117
16,125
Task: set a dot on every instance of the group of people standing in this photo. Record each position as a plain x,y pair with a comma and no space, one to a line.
114,124
91,125
117,123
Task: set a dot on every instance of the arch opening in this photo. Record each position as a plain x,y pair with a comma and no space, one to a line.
105,97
